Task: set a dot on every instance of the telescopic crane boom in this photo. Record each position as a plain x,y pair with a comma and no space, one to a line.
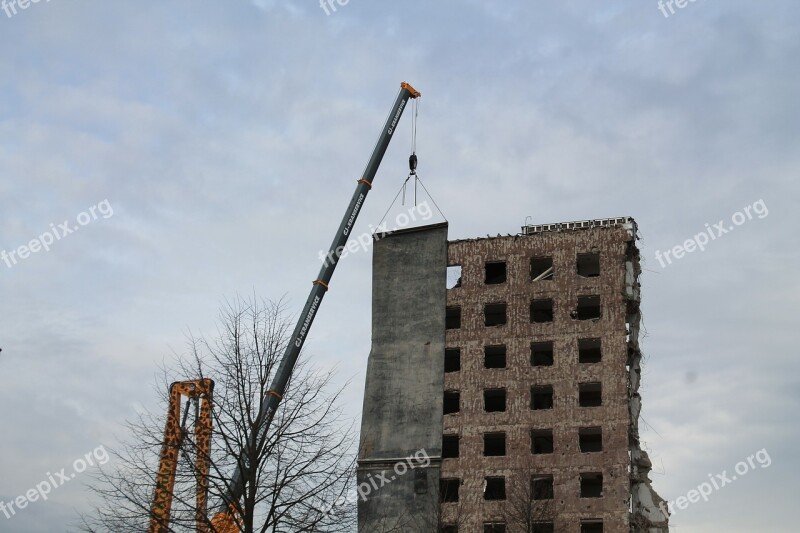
225,517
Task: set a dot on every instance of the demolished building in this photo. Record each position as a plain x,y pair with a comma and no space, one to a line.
514,363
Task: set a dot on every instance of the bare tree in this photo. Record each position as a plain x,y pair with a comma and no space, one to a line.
529,500
306,464
443,517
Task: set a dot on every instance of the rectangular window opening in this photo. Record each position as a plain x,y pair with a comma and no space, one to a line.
588,308
541,441
495,272
542,353
588,265
541,268
453,276
592,485
494,356
542,487
541,397
452,359
543,527
494,527
590,440
589,351
448,490
590,395
495,314
591,526
448,528
494,444
494,400
452,317
494,488
450,446
452,402
542,310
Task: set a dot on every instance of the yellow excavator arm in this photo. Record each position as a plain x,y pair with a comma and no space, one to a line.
199,392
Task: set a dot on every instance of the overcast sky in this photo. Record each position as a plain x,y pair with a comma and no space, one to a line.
226,138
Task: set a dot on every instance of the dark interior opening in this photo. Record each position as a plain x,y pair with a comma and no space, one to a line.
590,395
588,308
541,441
495,488
452,359
595,526
592,485
588,265
590,440
542,310
541,397
450,446
542,487
495,272
542,353
448,490
541,268
452,402
495,314
494,444
589,351
494,400
452,317
494,356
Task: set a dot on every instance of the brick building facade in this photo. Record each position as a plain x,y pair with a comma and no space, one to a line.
519,376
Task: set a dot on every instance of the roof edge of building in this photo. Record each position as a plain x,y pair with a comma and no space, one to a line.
383,235
626,222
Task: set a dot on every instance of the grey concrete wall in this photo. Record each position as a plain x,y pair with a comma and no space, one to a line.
402,414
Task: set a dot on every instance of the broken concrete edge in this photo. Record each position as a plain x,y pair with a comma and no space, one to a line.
647,507
385,234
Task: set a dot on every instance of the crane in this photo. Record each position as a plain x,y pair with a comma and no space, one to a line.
225,518
199,393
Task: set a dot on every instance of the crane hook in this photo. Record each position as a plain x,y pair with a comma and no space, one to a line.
412,164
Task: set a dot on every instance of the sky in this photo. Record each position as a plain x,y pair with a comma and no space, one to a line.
208,149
